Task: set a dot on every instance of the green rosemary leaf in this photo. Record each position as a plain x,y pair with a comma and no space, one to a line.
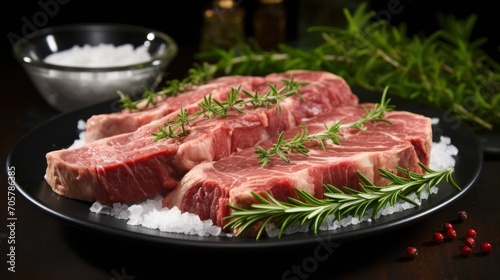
283,147
126,101
336,203
197,75
237,100
443,69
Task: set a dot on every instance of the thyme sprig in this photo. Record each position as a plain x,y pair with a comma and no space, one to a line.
336,203
237,99
298,143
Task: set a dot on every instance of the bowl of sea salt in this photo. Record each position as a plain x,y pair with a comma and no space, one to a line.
74,66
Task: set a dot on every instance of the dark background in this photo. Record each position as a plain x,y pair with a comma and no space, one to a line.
182,19
48,247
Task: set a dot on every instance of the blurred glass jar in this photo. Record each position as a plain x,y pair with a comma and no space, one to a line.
269,24
223,25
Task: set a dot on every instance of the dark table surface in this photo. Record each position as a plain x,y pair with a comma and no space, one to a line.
47,248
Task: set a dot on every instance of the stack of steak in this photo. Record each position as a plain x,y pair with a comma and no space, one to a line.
215,164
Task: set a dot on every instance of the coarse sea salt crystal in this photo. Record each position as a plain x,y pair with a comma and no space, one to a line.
100,209
102,55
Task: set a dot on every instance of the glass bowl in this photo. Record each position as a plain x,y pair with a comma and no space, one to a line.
68,87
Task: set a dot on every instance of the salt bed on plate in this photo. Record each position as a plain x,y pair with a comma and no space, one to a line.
150,214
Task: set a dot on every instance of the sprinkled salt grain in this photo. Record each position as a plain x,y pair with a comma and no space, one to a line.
120,211
355,221
101,209
272,231
102,55
81,125
150,214
406,205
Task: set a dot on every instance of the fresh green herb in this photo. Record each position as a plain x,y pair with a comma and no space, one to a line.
337,203
445,69
171,128
237,99
283,147
197,75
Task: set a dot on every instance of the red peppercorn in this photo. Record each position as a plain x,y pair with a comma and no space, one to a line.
471,233
411,252
451,234
466,251
486,247
447,226
462,216
469,241
438,237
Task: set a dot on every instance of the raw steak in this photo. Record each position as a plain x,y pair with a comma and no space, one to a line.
207,188
105,125
131,166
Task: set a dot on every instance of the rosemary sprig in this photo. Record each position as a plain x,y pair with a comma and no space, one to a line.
237,99
197,75
337,203
172,127
444,69
298,143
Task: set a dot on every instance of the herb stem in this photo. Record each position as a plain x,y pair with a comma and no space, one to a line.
443,69
336,203
237,99
283,147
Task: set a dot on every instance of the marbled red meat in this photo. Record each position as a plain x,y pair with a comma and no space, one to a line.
208,187
106,125
131,166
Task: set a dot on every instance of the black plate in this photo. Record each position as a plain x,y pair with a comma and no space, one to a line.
28,158
490,144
